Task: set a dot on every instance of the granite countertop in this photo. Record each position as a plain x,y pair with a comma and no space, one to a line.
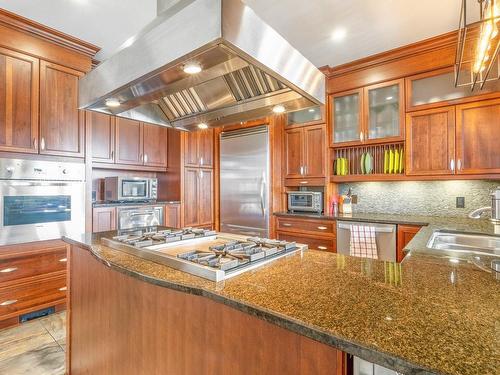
425,315
122,204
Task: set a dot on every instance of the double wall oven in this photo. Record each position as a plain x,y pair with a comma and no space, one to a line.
40,200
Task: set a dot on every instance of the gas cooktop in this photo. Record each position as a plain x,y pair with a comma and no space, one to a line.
202,252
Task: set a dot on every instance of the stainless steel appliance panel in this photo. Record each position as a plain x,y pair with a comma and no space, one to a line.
385,239
244,182
40,210
139,217
24,169
118,189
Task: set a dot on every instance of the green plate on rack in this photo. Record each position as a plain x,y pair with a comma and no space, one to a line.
368,163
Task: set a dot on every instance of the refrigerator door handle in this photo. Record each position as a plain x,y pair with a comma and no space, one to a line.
262,191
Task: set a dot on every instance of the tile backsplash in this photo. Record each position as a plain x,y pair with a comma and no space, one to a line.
430,198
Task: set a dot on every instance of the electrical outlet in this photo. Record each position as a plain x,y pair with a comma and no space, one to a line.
460,202
354,199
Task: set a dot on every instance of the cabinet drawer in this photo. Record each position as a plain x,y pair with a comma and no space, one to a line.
21,266
306,181
31,296
307,226
313,243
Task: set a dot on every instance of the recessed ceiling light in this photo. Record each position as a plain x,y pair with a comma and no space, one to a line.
202,126
128,42
279,108
389,98
339,34
192,68
111,102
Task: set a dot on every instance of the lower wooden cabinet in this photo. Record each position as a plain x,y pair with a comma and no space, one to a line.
317,234
313,243
405,235
32,277
172,215
103,219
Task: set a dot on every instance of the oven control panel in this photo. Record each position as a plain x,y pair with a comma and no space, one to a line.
21,169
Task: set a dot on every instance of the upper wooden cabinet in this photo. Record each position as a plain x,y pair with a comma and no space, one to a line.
199,148
305,152
61,123
430,141
454,140
477,134
155,145
129,142
19,82
103,136
368,115
308,116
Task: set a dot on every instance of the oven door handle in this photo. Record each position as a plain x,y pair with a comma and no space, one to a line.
142,213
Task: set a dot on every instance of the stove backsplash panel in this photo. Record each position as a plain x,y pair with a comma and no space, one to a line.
430,198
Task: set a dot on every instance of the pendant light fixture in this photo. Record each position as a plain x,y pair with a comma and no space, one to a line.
476,59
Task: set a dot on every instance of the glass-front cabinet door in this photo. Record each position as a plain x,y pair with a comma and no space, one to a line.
346,109
384,109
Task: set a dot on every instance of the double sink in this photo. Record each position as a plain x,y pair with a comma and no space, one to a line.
481,250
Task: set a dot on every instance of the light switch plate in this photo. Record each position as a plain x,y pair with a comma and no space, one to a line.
460,202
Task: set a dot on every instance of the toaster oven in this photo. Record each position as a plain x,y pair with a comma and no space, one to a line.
305,201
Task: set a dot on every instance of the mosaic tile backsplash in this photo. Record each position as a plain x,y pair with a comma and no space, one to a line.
430,198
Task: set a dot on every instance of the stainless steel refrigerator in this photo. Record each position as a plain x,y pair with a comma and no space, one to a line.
244,181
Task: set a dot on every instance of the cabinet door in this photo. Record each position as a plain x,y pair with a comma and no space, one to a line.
61,124
173,215
405,235
128,142
103,219
346,117
191,156
206,148
314,155
384,110
155,145
294,149
190,205
206,189
19,78
430,142
103,136
478,128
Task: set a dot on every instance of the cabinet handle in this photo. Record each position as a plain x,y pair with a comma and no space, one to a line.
201,161
303,182
452,165
63,289
145,158
8,270
35,143
201,174
112,154
361,136
322,228
287,224
8,302
322,247
42,143
459,164
63,260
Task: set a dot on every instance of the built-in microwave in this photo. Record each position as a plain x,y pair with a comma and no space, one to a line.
122,189
305,201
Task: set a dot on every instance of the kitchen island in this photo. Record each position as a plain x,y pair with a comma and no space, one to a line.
295,315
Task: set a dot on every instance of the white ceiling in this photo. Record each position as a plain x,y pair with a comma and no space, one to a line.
371,26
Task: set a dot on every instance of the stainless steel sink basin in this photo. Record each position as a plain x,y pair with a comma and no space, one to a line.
465,243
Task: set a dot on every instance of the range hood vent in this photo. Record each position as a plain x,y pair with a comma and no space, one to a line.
246,69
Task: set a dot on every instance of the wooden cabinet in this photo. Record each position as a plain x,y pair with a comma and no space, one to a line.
172,215
19,83
430,141
477,135
305,152
129,142
317,234
103,219
32,277
371,114
405,235
198,197
454,140
61,123
103,136
199,148
155,145
308,116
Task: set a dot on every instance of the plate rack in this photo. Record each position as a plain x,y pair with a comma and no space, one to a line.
353,155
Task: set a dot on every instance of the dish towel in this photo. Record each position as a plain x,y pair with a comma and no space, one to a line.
363,242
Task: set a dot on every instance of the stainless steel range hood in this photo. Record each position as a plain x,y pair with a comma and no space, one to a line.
247,69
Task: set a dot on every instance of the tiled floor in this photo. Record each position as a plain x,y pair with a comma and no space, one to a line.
36,347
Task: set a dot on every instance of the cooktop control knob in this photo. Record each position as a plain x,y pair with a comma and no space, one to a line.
65,171
10,169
